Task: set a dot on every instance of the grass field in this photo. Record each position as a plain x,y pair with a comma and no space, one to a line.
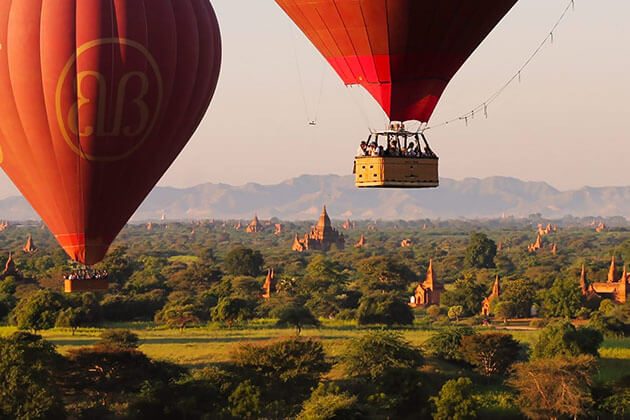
198,347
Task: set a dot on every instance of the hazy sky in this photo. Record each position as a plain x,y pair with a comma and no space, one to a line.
567,122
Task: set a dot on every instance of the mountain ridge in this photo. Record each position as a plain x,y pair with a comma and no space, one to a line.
301,198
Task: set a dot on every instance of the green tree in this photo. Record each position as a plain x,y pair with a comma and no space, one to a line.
480,252
328,402
505,309
612,321
321,273
295,315
232,310
243,261
245,401
455,401
69,318
30,368
118,340
384,308
376,352
284,371
564,340
186,398
467,294
446,343
555,388
245,287
383,367
118,265
454,312
491,354
108,374
521,295
382,274
617,406
177,316
38,311
563,299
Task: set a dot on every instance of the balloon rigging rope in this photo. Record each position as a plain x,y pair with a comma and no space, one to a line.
300,77
483,107
320,96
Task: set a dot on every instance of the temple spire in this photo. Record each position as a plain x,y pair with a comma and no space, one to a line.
496,287
430,281
612,270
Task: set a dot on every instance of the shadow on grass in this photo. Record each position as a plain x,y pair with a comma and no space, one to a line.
611,370
203,340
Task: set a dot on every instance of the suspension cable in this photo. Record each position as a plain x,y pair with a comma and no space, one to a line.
483,107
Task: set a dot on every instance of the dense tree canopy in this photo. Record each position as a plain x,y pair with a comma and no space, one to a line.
38,311
480,252
563,339
243,261
30,369
492,353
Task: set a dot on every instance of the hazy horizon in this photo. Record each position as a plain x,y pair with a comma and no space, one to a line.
564,124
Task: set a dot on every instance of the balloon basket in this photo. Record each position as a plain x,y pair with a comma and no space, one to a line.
85,285
396,172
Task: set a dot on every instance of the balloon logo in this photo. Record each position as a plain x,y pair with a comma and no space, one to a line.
132,118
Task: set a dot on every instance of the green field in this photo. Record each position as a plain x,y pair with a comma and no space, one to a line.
199,347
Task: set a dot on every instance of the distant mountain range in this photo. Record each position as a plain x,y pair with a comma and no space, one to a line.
302,198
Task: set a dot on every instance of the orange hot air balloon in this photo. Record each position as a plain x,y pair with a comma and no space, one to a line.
97,99
404,52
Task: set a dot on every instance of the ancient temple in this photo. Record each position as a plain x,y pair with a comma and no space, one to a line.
361,243
613,289
278,229
4,226
321,237
270,284
554,249
254,226
29,246
536,246
149,226
9,267
238,226
546,230
486,305
406,243
600,227
428,291
348,225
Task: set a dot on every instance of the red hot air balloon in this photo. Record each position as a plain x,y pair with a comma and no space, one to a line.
404,53
97,99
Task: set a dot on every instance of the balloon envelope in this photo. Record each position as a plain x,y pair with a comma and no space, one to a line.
404,52
97,99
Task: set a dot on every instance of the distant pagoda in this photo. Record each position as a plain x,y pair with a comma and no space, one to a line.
254,226
9,267
321,237
29,246
429,291
614,289
270,284
486,305
361,243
